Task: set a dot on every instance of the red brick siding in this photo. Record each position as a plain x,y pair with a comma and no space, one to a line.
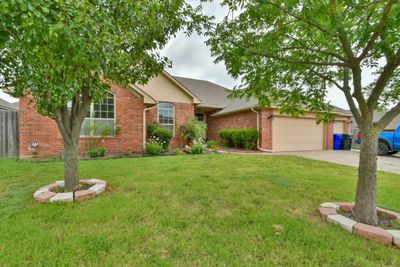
265,121
328,136
129,117
245,119
35,128
183,112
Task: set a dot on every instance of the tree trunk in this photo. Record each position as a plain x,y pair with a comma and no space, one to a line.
365,207
71,176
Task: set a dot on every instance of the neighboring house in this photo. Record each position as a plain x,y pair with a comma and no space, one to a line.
278,132
4,105
377,116
172,101
392,125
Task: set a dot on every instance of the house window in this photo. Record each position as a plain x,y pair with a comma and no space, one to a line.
100,119
200,116
166,116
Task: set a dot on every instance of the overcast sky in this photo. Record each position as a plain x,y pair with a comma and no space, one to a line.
191,58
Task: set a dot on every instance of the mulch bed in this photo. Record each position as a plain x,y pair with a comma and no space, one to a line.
384,221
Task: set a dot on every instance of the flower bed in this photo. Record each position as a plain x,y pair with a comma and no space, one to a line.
340,213
51,193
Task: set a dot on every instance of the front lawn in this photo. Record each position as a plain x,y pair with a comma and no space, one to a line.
188,210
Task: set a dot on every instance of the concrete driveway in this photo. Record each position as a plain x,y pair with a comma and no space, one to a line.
351,158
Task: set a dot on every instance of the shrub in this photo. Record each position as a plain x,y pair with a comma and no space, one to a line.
213,144
164,136
153,147
193,130
152,127
197,149
97,152
240,138
226,136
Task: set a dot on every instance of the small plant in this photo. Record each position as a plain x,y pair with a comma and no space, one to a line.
154,130
198,148
179,151
154,147
213,144
193,130
98,152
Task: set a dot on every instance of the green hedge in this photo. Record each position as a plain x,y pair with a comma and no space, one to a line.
240,138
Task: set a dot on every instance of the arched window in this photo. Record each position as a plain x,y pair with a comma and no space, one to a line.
100,119
166,116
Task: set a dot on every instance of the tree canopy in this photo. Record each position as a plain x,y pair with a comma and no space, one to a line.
289,53
71,51
55,48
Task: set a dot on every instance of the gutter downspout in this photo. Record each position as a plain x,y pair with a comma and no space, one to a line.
258,130
144,124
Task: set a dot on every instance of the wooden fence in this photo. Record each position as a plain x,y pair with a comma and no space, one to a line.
9,137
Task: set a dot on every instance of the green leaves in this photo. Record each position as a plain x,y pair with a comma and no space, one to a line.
287,53
57,48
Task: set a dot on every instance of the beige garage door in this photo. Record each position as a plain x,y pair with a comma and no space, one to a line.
291,134
338,127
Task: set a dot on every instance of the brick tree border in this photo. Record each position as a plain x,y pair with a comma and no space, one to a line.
328,211
45,194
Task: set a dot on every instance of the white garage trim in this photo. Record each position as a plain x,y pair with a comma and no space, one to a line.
297,134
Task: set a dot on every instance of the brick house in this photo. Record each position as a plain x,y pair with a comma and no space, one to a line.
172,101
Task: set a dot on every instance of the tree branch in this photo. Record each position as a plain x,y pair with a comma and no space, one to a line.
383,80
378,32
296,61
358,94
315,50
344,40
388,117
347,93
309,22
60,124
326,78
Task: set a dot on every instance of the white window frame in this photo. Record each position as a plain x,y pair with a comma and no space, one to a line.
91,110
173,116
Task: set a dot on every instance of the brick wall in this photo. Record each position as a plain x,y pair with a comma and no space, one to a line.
183,112
245,119
265,128
129,118
328,136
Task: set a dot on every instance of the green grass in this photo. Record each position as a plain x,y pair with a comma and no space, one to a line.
207,210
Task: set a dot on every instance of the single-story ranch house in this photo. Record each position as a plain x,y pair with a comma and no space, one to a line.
172,101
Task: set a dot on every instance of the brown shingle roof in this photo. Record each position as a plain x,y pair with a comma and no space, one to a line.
211,94
215,96
392,125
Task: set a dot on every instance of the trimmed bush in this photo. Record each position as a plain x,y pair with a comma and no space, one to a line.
197,149
240,138
193,130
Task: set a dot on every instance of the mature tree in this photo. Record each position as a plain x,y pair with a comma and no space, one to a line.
289,52
71,51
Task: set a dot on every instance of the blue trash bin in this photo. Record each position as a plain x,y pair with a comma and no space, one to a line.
337,141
